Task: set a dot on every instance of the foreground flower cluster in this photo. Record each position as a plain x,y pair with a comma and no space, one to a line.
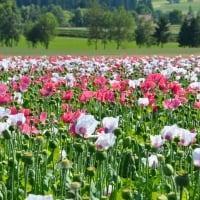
99,128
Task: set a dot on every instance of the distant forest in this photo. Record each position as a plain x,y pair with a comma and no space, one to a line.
73,4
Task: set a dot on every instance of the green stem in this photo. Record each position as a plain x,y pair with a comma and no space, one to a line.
26,180
196,185
174,185
181,192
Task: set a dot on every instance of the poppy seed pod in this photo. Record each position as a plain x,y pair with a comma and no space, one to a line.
66,164
75,185
127,194
182,179
104,198
162,197
28,158
39,140
172,196
90,171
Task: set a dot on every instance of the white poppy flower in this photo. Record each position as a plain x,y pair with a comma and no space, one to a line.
39,197
86,125
110,124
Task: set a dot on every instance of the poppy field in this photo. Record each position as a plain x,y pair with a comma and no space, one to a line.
99,128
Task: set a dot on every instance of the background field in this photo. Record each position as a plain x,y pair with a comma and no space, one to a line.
79,46
184,5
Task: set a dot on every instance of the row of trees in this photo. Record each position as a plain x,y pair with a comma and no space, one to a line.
103,25
73,4
120,25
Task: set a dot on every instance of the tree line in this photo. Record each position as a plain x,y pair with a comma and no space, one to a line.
73,4
39,24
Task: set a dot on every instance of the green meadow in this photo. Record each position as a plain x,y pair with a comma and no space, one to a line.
79,46
184,5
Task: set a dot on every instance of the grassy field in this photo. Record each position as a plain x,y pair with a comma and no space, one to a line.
79,46
184,5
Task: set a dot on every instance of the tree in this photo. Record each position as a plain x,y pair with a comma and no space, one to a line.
162,33
79,17
57,11
32,33
195,32
105,28
175,16
184,34
94,20
10,23
122,26
144,32
189,34
42,31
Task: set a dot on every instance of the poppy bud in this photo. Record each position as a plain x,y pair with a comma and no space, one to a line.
91,147
6,134
167,187
79,147
53,144
101,155
168,170
77,177
12,163
118,132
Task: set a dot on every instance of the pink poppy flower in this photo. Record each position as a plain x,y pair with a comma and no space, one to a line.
171,103
43,116
5,99
3,88
197,104
100,81
86,96
25,82
48,89
67,95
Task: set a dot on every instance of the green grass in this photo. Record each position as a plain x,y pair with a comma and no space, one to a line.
79,46
184,5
